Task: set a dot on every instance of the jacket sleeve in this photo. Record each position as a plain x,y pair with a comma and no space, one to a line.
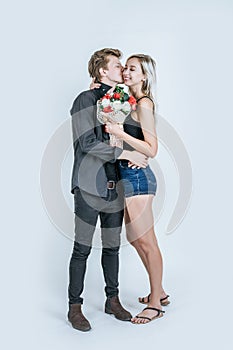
84,124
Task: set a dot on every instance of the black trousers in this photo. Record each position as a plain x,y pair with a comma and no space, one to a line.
87,210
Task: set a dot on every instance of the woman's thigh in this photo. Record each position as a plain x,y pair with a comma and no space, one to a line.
139,220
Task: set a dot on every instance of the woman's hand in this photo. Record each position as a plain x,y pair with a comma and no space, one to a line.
94,85
114,129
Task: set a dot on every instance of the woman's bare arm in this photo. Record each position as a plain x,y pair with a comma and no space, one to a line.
145,114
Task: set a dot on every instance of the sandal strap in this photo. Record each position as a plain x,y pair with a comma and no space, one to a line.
148,298
165,298
154,308
146,318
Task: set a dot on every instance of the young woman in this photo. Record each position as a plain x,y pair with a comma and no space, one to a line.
140,184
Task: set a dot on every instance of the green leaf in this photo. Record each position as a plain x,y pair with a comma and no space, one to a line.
126,96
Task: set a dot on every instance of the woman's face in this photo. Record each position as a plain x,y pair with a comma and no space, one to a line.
132,73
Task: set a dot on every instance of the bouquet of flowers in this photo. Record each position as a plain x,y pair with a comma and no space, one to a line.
115,107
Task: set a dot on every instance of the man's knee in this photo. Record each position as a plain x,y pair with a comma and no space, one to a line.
110,251
111,237
80,251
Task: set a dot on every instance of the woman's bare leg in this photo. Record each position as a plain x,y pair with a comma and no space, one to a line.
140,233
134,243
140,252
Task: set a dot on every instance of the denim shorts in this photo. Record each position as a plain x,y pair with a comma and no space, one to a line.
137,181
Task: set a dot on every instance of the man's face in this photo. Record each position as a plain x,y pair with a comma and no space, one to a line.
114,71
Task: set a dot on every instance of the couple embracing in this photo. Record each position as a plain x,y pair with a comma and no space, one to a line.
112,183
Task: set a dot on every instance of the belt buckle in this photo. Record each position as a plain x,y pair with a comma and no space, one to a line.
111,185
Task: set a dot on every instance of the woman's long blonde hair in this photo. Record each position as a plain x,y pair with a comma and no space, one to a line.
148,66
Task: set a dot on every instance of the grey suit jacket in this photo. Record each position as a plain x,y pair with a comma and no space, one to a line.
91,145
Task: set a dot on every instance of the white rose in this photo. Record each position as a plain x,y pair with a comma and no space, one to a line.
117,105
126,107
105,102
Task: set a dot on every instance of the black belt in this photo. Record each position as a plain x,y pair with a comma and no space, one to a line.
111,185
124,162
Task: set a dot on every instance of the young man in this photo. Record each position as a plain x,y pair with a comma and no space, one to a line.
96,190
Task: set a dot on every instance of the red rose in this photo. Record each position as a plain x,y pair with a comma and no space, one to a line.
107,109
117,96
132,100
106,96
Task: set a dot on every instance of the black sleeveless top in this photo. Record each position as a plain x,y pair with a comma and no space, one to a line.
133,128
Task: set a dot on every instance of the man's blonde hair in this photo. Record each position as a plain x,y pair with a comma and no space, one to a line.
100,59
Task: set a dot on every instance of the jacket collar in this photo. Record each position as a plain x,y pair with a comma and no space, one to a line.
104,88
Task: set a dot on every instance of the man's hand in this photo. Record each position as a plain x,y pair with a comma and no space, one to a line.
138,159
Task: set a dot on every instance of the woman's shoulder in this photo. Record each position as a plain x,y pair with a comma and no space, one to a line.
146,101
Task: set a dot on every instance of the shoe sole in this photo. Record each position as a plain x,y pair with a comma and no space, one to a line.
82,330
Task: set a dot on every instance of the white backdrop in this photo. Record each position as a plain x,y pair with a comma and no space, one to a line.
45,49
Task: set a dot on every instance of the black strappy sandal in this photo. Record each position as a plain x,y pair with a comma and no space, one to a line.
159,314
163,301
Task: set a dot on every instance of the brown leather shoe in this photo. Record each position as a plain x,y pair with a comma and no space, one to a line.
113,306
77,319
